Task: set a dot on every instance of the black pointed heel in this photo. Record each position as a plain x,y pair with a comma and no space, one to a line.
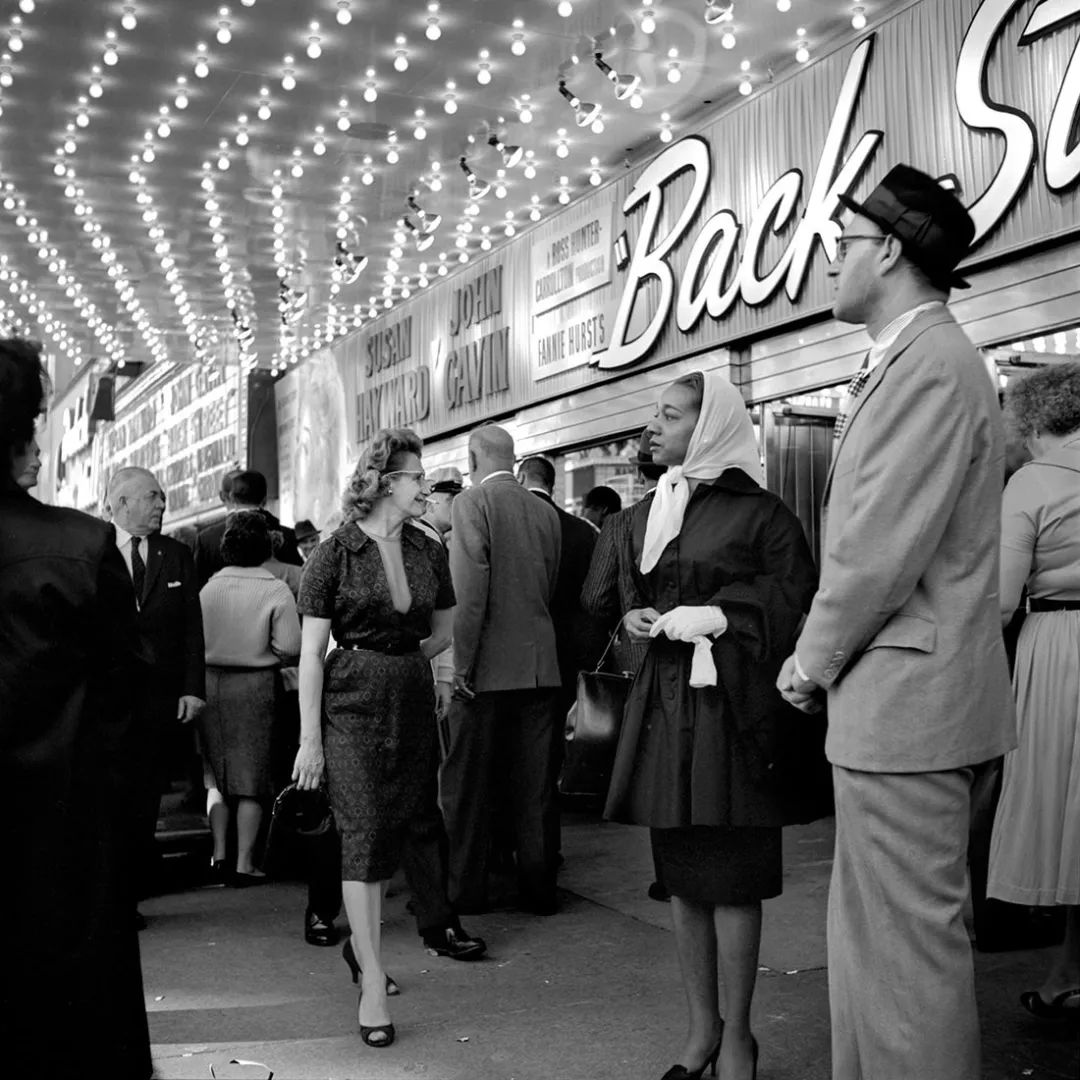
753,1042
392,988
681,1072
380,1029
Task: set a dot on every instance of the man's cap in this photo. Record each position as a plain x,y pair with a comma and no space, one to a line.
305,530
446,479
932,224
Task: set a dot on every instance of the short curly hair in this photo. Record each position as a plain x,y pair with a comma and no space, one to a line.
368,483
1045,402
246,541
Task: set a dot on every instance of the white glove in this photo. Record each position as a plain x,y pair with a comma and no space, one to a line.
686,623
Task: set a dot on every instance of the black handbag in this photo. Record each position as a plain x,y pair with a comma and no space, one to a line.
592,729
298,816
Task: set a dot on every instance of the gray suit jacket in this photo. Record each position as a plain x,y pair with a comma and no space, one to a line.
905,631
504,561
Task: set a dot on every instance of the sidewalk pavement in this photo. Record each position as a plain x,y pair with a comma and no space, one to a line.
592,993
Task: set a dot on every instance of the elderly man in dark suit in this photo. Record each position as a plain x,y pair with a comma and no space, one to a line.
904,638
170,624
503,719
242,492
70,981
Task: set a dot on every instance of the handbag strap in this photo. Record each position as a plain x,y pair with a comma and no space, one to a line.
611,642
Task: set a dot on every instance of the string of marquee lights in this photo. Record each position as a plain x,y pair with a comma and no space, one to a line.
15,36
239,301
162,248
102,242
38,239
51,326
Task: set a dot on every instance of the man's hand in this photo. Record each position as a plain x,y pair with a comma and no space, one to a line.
188,708
462,690
443,693
803,694
638,622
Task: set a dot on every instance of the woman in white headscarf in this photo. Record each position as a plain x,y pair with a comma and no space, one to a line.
725,576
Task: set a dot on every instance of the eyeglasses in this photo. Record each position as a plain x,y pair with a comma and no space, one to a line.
845,241
418,474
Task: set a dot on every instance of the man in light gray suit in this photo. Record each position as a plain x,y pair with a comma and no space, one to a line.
904,638
502,720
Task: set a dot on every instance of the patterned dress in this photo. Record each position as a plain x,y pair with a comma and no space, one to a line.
379,733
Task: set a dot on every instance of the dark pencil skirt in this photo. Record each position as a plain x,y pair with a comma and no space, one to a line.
237,729
716,865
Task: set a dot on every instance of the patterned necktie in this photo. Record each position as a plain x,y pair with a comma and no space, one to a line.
138,568
855,388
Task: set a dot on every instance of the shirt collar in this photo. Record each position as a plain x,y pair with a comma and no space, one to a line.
123,537
887,338
354,538
497,474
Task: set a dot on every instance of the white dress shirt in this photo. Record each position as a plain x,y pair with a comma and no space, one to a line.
123,542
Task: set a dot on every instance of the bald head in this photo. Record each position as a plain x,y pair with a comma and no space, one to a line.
136,501
491,449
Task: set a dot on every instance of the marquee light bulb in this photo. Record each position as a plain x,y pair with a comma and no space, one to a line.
344,14
858,17
565,9
314,45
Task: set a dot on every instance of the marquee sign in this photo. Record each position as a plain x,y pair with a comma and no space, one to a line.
717,273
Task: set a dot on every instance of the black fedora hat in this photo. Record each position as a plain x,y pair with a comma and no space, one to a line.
930,222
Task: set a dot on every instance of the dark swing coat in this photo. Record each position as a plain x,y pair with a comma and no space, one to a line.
70,661
710,756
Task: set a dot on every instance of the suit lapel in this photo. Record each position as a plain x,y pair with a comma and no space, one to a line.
898,347
155,556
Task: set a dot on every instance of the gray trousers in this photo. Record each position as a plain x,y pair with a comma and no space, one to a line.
901,976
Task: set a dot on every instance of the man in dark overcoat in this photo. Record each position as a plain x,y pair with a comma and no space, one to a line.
70,980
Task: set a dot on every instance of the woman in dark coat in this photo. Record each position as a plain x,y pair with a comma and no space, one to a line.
71,993
725,575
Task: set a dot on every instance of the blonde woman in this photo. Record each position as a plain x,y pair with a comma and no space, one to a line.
367,711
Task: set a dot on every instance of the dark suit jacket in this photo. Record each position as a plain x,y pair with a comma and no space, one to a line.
69,663
170,622
208,560
505,562
611,588
579,637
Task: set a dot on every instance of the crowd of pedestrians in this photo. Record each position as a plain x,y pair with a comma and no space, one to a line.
425,651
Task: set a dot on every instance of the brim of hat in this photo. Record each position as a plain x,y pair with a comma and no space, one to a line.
954,280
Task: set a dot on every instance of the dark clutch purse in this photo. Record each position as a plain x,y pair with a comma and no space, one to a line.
297,817
592,729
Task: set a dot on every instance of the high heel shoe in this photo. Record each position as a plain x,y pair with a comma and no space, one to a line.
681,1072
368,1033
753,1043
392,988
387,1030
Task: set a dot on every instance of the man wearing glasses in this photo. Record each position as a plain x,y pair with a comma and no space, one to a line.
904,639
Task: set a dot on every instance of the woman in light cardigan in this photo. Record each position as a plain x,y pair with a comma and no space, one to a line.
252,629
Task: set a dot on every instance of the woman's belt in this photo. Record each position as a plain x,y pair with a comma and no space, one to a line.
402,647
1053,605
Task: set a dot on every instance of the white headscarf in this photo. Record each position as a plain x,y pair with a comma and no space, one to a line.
723,438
